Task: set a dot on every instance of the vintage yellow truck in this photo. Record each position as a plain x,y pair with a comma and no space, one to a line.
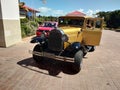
70,41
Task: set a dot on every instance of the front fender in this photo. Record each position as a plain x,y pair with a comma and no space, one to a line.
76,45
36,40
72,49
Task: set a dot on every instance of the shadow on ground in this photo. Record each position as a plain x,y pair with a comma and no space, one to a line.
117,30
54,67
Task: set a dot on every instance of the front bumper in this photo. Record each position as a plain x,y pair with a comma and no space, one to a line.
51,55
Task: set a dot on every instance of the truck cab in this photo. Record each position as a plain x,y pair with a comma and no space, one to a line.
86,30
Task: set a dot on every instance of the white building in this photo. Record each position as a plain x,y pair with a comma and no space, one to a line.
10,31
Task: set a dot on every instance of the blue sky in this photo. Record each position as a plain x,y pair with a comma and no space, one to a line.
62,7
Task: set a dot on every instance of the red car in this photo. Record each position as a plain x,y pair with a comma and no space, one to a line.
46,27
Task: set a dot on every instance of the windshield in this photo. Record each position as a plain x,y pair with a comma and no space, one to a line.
71,21
49,24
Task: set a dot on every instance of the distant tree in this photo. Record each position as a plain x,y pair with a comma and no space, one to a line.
102,14
112,18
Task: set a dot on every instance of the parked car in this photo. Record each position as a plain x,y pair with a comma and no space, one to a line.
71,41
46,27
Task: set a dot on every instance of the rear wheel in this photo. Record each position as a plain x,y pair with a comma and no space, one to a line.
37,48
90,48
84,54
84,51
78,61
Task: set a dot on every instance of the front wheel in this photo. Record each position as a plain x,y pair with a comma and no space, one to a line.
78,61
37,48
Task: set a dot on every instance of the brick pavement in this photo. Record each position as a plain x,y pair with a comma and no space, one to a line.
100,71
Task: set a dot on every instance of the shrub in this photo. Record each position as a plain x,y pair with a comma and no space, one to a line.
25,30
25,20
35,24
28,27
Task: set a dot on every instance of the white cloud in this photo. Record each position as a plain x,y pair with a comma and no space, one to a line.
92,12
48,11
97,11
81,10
58,12
44,9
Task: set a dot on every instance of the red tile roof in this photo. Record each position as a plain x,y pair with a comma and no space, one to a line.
30,9
76,13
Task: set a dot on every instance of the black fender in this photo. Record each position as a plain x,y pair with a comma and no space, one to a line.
76,45
71,50
42,42
37,40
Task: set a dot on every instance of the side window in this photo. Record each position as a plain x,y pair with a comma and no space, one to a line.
98,24
90,24
63,21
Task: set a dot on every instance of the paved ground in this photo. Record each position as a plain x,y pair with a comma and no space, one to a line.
100,71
